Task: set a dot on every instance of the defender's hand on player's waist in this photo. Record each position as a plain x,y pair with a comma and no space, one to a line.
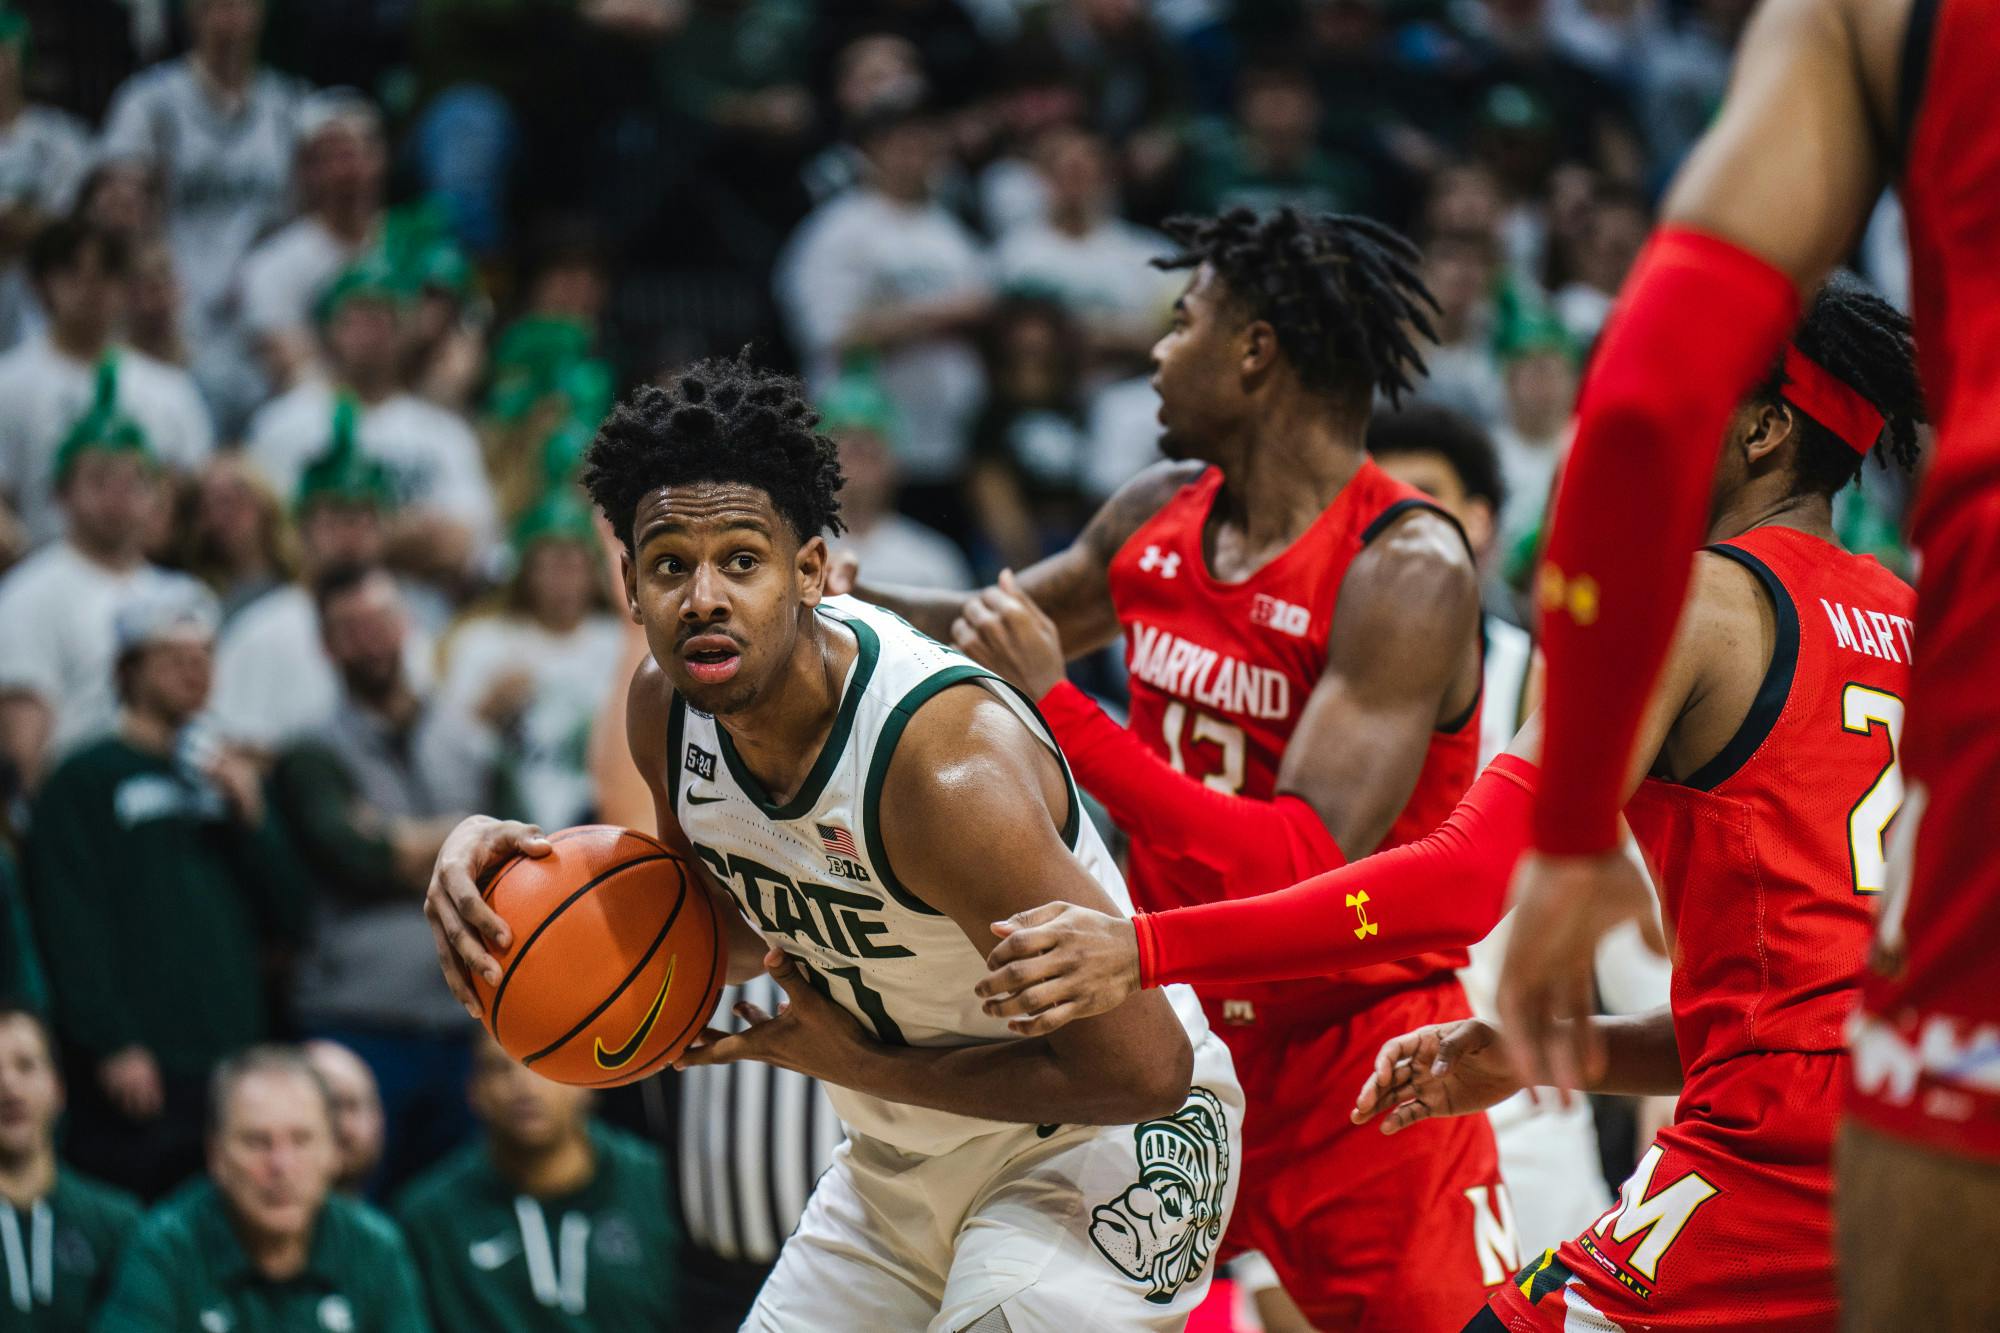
1002,629
1444,1069
809,1034
1057,963
462,925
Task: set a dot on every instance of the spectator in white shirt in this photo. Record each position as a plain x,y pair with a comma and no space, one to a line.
445,511
1097,265
893,548
52,379
274,682
884,273
220,129
43,156
1539,366
342,164
526,683
58,607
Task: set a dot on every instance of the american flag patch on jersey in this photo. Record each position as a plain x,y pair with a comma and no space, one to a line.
839,842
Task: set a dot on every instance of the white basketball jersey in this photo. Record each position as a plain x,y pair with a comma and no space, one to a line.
812,876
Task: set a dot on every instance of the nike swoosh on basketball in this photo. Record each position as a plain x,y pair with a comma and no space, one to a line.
694,799
621,1057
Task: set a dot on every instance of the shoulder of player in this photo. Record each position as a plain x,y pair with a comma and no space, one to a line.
1725,599
1420,559
1135,502
961,746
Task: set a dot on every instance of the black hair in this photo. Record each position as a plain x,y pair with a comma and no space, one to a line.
1866,343
1424,428
722,419
59,247
341,579
1342,292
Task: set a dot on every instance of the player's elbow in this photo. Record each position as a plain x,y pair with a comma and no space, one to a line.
1159,1081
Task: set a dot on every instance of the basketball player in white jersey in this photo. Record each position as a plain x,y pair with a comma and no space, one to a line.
873,802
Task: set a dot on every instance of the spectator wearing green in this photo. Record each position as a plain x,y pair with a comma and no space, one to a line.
156,876
274,682
262,1245
23,983
62,1232
554,1222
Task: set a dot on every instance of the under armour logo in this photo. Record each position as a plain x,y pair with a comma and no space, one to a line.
1359,902
1574,595
1168,563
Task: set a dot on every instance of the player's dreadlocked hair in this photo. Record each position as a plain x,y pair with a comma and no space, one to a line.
1865,343
1342,292
722,419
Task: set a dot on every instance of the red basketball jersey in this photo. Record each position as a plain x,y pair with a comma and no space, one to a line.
1770,856
1220,673
1928,1058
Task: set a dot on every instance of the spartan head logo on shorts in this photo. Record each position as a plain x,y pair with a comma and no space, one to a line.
1162,1230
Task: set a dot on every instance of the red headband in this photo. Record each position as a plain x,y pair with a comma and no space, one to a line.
1833,403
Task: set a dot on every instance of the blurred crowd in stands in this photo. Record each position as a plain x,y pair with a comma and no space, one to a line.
308,309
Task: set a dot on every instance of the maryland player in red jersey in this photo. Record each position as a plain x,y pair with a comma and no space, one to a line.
1303,640
1829,100
1770,775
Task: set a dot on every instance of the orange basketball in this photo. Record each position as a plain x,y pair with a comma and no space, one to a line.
616,961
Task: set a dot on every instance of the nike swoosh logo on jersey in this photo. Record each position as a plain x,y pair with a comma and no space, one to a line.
621,1057
487,1255
704,800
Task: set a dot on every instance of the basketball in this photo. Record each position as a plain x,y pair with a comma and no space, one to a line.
616,960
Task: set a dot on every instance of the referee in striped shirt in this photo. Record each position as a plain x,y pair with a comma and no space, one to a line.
746,1142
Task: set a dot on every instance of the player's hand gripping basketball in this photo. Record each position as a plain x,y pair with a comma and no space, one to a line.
1057,963
462,925
809,1034
1444,1069
1002,629
1563,905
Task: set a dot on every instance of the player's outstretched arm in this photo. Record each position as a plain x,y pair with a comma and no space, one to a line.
1073,585
1465,1067
1404,659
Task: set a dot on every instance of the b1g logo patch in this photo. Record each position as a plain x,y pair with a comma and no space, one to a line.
701,763
1163,1230
1280,615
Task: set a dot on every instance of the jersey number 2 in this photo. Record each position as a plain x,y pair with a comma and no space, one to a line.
1226,735
1861,710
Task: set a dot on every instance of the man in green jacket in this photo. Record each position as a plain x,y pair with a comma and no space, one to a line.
155,875
554,1224
263,1245
61,1231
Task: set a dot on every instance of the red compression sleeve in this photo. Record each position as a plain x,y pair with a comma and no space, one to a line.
1697,325
1257,846
1444,891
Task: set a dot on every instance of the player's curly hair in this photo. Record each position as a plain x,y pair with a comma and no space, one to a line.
723,419
1342,292
1867,344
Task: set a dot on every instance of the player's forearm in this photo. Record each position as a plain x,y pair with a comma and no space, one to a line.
929,609
1256,846
1632,506
1031,1080
1642,1059
1444,891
